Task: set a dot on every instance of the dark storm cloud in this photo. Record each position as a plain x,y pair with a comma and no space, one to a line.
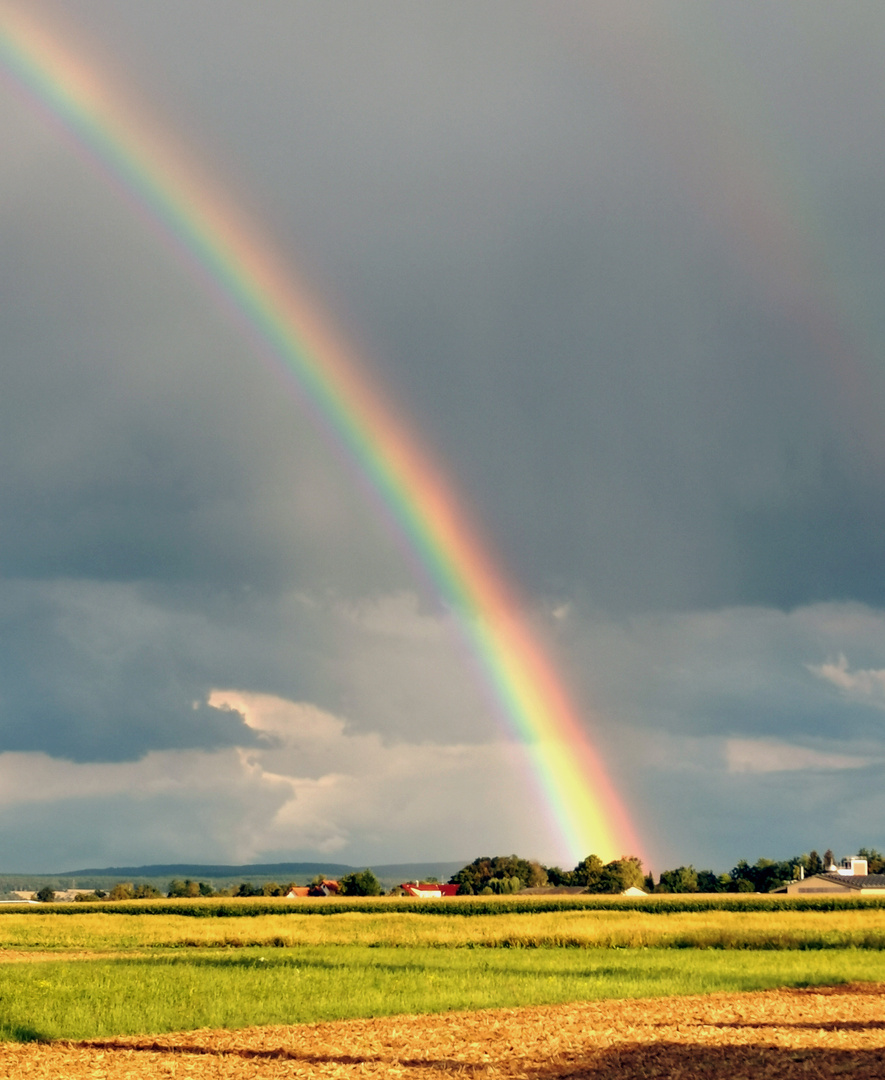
732,817
630,408
140,438
540,247
746,673
107,671
93,674
632,413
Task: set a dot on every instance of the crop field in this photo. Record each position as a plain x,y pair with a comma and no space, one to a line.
85,993
720,928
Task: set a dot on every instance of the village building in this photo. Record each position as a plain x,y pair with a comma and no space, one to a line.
321,888
429,890
849,879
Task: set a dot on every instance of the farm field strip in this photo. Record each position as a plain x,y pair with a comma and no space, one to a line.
717,929
106,998
463,906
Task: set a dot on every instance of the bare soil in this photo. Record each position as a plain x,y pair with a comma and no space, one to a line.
814,1033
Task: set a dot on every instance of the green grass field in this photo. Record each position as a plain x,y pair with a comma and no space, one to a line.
149,973
90,998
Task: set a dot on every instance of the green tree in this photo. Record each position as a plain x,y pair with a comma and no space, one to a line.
537,875
46,895
709,882
504,886
557,876
147,892
684,879
875,860
123,890
246,888
472,879
479,873
587,873
620,874
183,888
765,875
742,873
772,874
360,883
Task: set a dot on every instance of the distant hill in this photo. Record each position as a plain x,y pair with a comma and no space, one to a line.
203,871
222,876
419,871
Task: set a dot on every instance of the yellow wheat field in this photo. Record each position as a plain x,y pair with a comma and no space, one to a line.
102,931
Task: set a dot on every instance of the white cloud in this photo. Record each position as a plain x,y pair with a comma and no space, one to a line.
866,685
340,782
769,755
314,785
38,778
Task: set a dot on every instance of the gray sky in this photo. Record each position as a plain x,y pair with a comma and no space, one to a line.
619,263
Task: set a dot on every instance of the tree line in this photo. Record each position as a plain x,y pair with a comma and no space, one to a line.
509,874
358,883
765,875
503,874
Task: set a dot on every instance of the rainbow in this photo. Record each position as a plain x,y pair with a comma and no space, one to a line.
245,275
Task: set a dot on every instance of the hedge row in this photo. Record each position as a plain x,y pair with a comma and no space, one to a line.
504,905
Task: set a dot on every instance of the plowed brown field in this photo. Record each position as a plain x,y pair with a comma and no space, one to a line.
823,1032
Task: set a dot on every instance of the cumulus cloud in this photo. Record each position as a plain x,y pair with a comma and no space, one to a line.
343,782
308,784
865,685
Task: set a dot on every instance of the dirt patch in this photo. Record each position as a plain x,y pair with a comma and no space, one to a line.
813,1034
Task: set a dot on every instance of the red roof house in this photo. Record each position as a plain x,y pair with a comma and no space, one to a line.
428,890
323,888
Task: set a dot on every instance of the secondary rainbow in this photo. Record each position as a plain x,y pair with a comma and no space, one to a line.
244,273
